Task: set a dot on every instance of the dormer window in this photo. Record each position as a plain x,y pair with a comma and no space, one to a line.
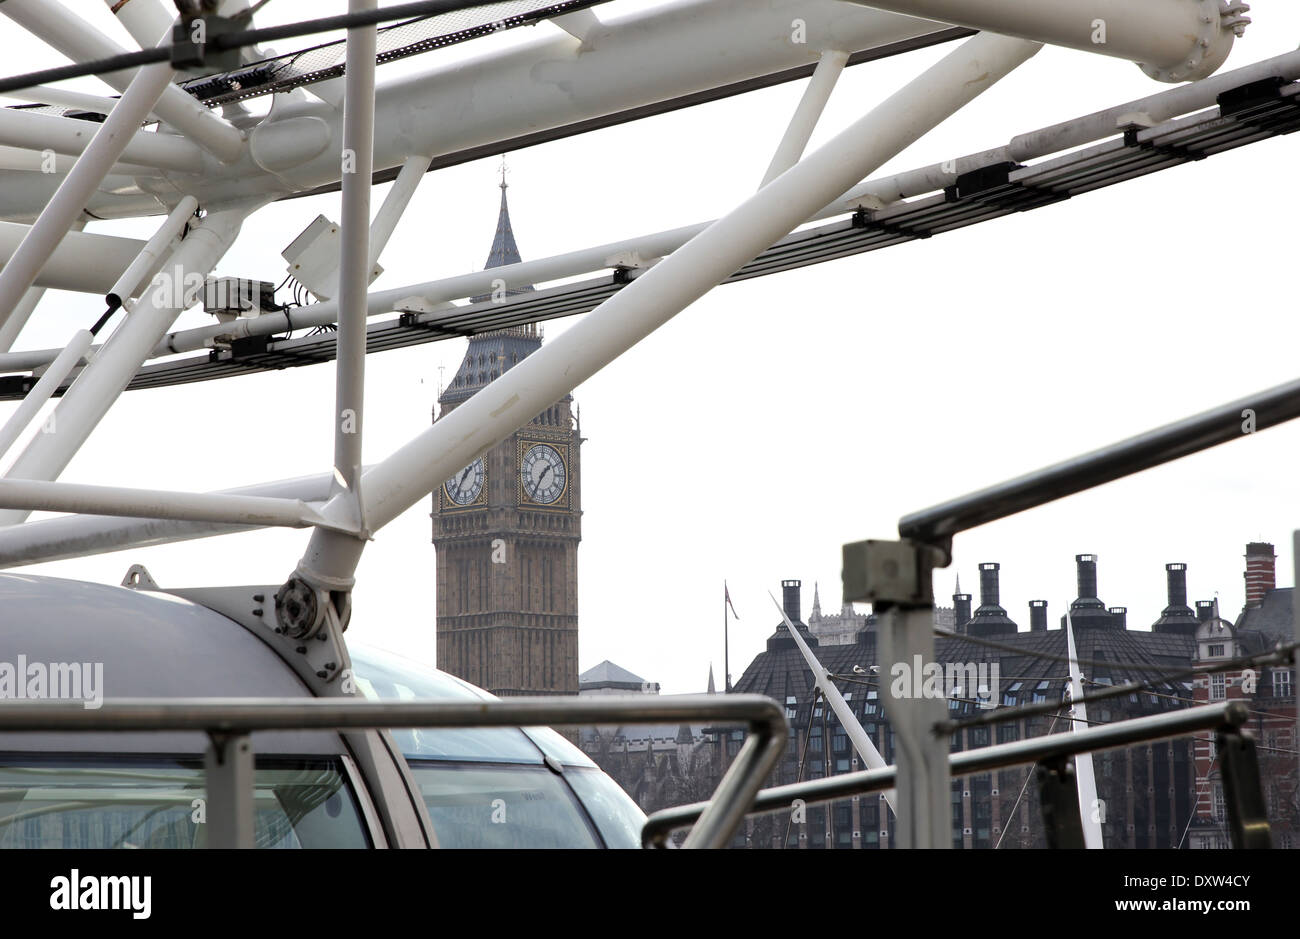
1216,650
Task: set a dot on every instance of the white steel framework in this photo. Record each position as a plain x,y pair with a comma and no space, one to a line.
197,163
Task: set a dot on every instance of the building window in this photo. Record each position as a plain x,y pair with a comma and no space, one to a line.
1218,802
791,707
1282,687
1217,688
979,736
1216,651
1008,732
1040,692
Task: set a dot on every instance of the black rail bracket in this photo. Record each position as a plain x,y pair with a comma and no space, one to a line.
1243,792
1058,796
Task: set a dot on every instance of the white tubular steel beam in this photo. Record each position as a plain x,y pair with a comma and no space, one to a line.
69,200
44,389
664,290
146,20
35,161
354,264
48,94
40,496
18,318
149,258
806,115
1072,133
57,539
70,137
552,82
107,375
1174,40
394,204
50,21
10,328
852,727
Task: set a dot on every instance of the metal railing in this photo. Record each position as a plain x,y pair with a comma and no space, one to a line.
229,722
896,576
1051,753
1264,409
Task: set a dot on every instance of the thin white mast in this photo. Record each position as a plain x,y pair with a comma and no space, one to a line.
1084,776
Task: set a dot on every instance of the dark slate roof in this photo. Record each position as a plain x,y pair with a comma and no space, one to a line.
1273,618
990,620
1177,619
781,638
492,353
609,673
504,250
781,672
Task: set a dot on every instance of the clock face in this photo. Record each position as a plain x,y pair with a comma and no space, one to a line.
465,486
543,474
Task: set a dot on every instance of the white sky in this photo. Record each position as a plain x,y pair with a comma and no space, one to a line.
775,420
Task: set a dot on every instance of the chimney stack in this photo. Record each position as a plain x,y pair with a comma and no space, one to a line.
989,584
1204,610
1038,616
1087,567
1261,572
1121,616
790,600
990,619
1177,618
790,603
1176,574
960,610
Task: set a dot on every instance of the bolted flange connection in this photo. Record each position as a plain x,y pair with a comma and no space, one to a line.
297,608
1218,22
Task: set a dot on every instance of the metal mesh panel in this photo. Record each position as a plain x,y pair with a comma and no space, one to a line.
408,38
323,62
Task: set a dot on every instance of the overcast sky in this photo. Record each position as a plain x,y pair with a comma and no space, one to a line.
789,415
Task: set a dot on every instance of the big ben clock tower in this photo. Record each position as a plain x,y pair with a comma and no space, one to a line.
506,530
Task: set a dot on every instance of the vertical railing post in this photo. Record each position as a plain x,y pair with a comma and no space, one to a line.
897,577
228,771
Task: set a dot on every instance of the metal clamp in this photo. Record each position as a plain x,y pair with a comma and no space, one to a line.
1058,796
195,30
1243,793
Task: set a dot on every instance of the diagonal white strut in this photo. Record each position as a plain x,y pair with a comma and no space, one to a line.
852,727
106,377
70,199
664,290
1085,777
810,108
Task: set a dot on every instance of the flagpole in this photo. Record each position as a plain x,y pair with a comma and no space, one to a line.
726,645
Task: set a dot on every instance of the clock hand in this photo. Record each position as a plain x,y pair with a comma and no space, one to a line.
546,469
461,485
